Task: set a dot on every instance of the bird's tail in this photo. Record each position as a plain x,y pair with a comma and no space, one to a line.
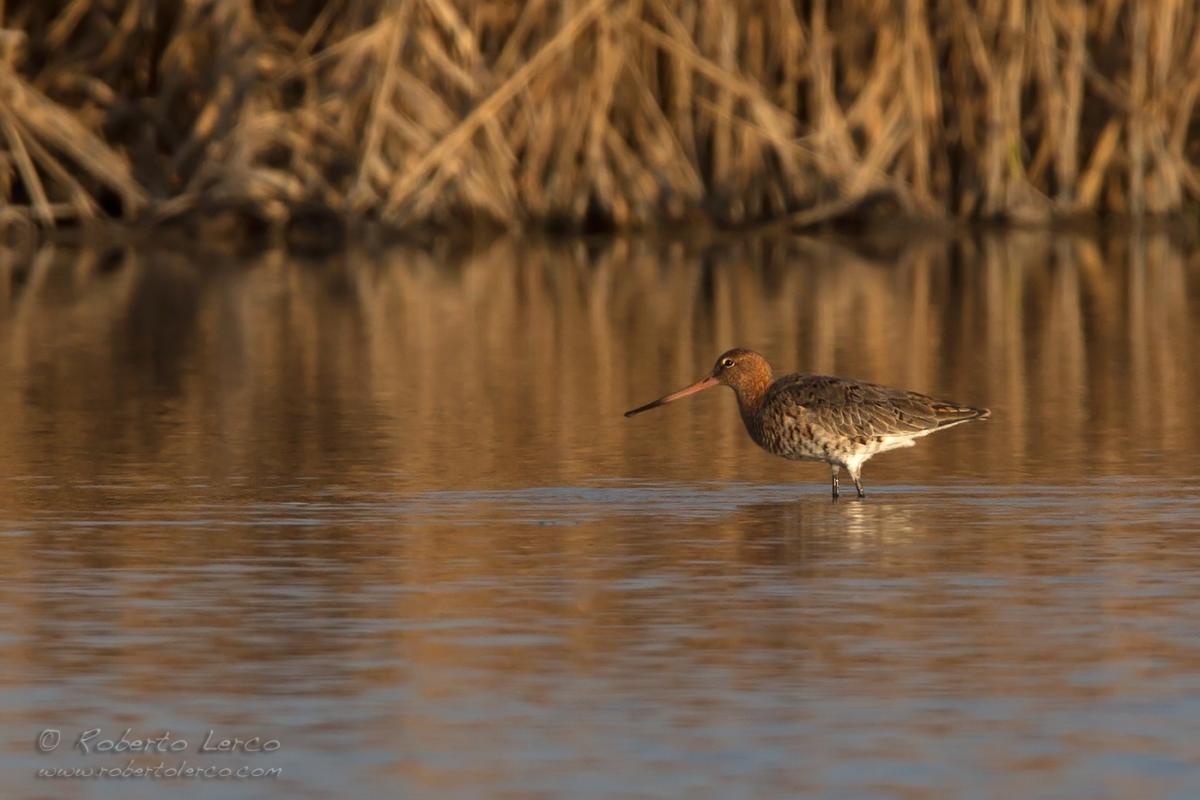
952,414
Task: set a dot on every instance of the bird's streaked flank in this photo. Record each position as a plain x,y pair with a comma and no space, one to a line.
820,418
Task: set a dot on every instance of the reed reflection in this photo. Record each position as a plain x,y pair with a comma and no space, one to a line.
510,365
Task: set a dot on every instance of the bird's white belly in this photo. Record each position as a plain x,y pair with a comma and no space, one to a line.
895,443
846,453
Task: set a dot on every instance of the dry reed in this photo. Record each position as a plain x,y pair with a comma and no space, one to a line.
598,112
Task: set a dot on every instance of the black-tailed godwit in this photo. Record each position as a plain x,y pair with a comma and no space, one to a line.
821,418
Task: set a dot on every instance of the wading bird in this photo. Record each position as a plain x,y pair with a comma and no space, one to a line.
820,418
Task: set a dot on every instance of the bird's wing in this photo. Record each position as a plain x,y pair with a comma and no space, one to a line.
853,409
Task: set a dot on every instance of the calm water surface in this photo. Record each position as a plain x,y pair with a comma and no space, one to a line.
384,509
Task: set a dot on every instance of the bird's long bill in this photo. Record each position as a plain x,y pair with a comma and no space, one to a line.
698,386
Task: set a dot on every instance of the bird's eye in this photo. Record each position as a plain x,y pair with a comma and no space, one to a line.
727,362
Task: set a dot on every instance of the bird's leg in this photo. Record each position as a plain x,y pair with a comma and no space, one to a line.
856,474
835,481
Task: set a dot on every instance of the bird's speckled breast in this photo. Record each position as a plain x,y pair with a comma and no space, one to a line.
784,431
783,427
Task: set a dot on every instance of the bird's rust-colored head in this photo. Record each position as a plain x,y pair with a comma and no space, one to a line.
745,371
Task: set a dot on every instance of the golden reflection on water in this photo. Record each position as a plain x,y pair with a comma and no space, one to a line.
387,503
511,366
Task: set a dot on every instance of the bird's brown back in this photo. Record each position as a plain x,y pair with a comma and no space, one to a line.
853,409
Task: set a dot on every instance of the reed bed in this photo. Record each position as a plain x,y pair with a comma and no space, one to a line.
597,113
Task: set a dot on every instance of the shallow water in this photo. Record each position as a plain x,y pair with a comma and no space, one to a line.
384,509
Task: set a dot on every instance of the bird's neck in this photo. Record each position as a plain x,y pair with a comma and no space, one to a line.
751,393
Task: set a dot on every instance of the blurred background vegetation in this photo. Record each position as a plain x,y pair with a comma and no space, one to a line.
596,114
